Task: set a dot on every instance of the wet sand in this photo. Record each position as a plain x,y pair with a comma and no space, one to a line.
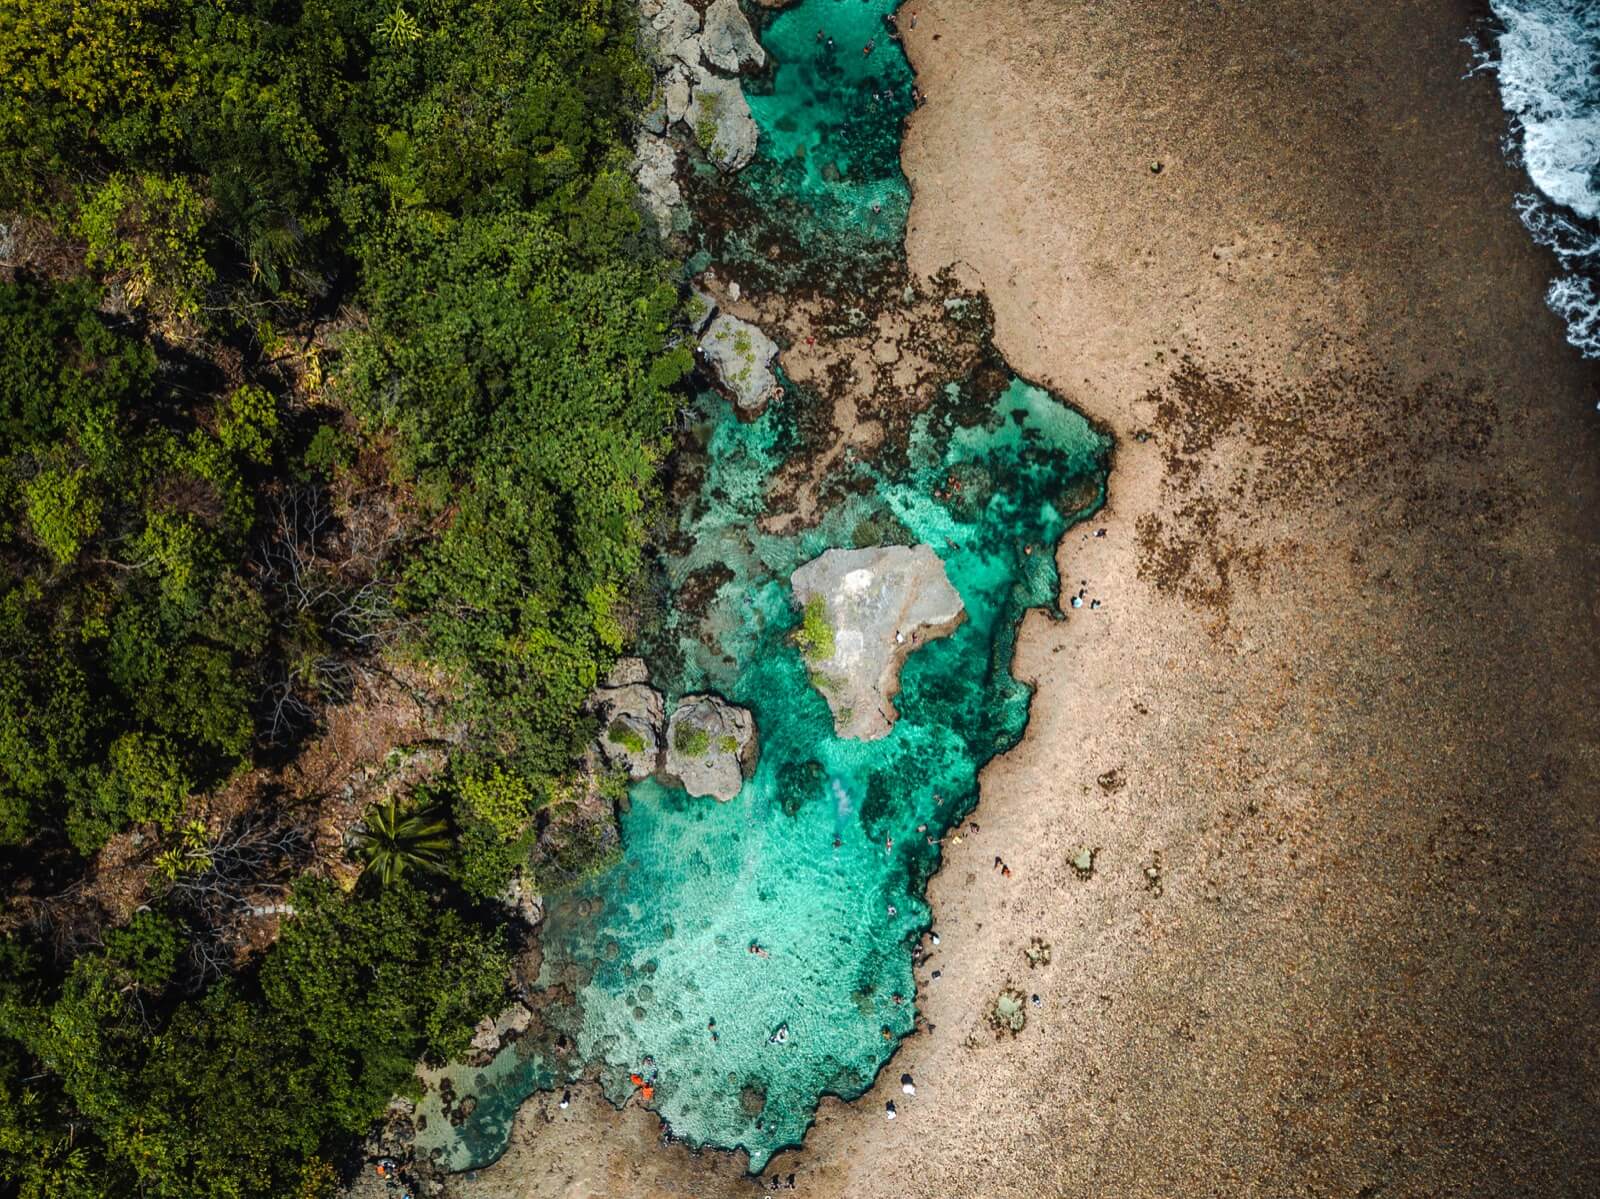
1341,693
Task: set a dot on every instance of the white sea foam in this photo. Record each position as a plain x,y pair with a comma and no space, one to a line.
1576,300
1549,69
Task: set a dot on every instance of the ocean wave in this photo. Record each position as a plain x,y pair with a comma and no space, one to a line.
1575,299
1548,64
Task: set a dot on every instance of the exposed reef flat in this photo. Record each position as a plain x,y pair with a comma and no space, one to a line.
865,610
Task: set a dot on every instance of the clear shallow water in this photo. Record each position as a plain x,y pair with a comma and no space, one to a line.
663,945
822,858
824,200
1548,63
830,125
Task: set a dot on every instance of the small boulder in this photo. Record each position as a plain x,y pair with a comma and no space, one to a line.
1008,1015
742,356
727,41
710,745
522,899
701,306
513,1022
630,713
676,94
484,1037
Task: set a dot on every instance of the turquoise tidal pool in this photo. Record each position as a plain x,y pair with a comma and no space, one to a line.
650,970
823,857
830,122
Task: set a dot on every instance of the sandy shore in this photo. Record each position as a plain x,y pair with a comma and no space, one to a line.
1341,694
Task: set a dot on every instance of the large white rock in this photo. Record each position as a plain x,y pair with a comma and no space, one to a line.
710,745
720,117
727,41
741,355
880,603
673,33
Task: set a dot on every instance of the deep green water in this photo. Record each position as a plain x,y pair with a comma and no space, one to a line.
823,857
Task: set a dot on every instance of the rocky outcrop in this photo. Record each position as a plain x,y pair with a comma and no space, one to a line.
696,83
490,1034
720,117
630,712
522,899
727,41
655,167
711,744
673,31
865,610
742,357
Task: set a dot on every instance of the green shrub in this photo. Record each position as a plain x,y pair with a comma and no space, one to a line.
628,738
691,740
815,635
494,818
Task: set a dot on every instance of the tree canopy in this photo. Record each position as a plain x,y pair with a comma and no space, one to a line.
252,251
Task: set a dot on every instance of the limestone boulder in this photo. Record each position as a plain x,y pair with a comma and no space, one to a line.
711,745
631,714
673,33
720,118
491,1032
742,357
523,900
676,93
655,166
727,41
513,1022
864,611
702,308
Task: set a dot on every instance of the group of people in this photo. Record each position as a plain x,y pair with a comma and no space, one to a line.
388,1169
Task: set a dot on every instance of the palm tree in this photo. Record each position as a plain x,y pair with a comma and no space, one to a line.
396,839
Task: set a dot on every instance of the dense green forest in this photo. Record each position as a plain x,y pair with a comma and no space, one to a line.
334,349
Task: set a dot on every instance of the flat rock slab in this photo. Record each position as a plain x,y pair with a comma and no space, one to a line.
710,746
879,603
